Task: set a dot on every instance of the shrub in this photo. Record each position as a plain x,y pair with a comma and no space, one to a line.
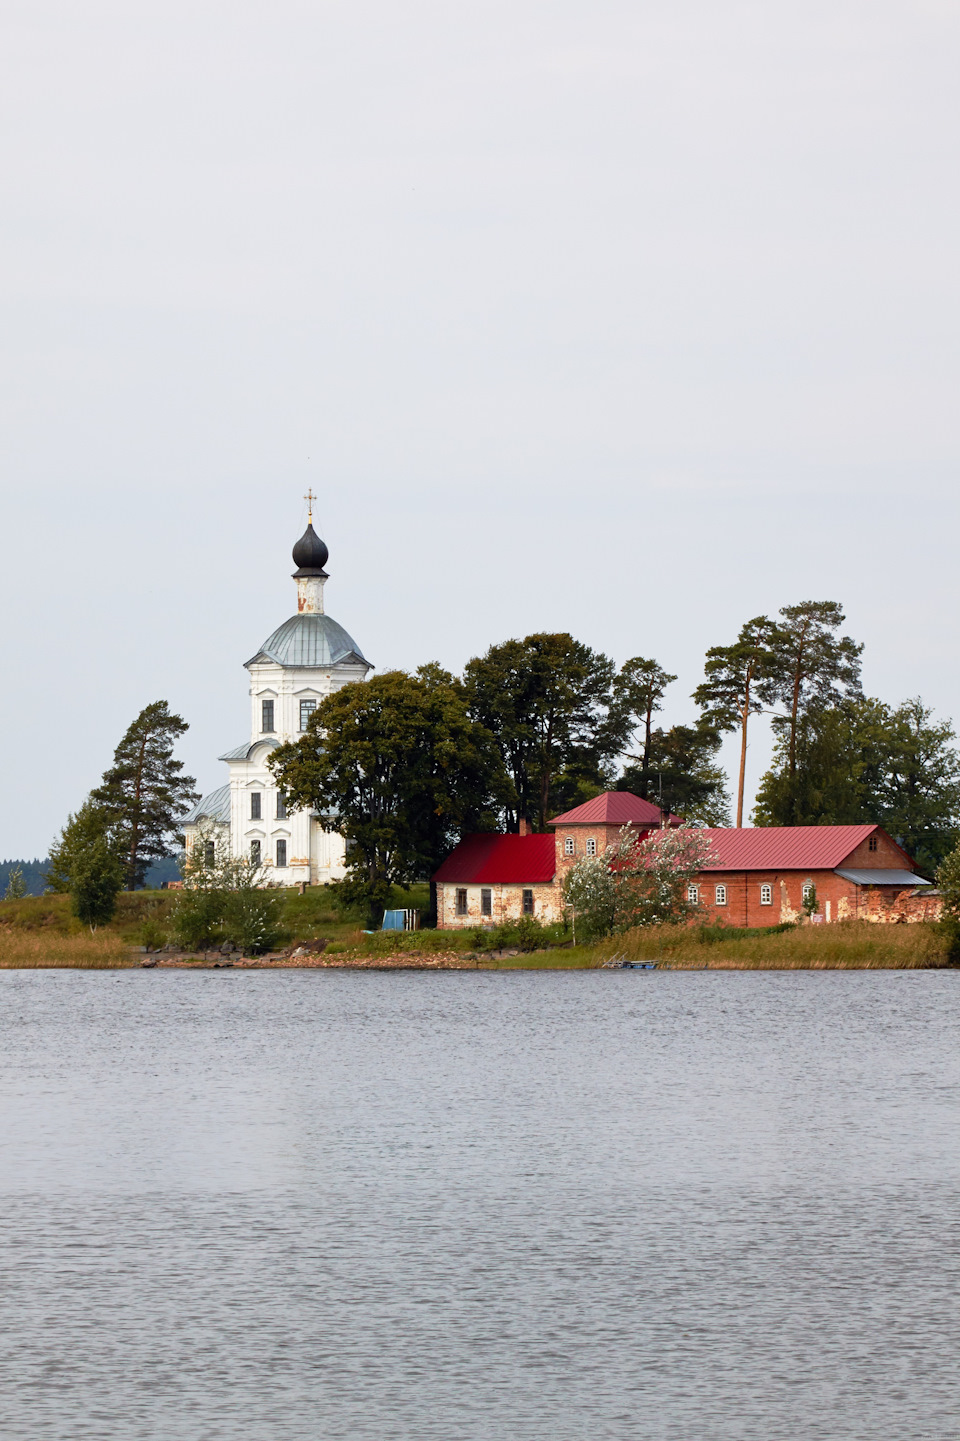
251,919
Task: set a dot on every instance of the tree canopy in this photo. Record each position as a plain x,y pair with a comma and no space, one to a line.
399,767
862,761
739,681
684,771
144,793
550,704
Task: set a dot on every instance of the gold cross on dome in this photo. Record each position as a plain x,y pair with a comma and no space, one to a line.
309,498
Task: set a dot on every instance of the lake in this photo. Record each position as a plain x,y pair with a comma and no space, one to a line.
509,1206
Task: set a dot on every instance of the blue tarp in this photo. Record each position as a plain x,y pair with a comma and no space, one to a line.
392,921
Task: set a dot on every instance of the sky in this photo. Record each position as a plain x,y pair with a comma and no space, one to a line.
634,320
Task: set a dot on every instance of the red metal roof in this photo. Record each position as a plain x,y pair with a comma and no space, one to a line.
496,860
613,808
785,848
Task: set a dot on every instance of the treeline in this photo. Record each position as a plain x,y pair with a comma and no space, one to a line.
405,764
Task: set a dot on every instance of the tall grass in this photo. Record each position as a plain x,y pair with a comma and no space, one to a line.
854,945
28,950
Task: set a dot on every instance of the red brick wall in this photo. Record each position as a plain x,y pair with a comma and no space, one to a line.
837,899
887,856
604,835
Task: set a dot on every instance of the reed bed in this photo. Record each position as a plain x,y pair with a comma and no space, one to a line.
28,950
848,945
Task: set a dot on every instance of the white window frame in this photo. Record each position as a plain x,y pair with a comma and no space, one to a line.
766,894
591,845
693,895
568,846
806,891
721,895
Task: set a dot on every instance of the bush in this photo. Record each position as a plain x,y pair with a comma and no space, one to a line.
251,919
196,919
151,935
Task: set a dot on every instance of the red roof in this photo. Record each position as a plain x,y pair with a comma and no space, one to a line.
785,848
495,860
613,808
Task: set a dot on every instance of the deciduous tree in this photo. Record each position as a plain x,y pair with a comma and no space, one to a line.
684,773
549,703
639,689
397,766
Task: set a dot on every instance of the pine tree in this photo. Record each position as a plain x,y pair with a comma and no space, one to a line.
143,793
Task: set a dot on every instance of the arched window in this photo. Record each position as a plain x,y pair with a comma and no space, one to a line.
721,895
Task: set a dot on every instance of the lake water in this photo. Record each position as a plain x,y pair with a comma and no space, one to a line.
517,1207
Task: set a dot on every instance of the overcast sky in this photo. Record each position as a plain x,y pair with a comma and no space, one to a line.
628,319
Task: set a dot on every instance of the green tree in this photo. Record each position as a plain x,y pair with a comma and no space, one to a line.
144,793
683,770
96,878
810,665
864,762
223,899
401,770
736,686
639,689
85,828
549,703
16,885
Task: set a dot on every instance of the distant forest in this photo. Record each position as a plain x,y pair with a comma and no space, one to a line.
33,874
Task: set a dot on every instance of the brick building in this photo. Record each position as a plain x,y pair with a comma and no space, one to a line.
757,876
490,879
760,876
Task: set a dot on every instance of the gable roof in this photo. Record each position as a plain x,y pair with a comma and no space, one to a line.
501,860
613,808
787,848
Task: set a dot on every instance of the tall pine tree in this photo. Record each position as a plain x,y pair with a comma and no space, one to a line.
143,793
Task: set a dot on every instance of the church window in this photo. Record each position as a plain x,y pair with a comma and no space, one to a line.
281,853
210,853
255,853
568,846
591,847
528,903
281,806
255,805
266,715
486,902
462,901
307,708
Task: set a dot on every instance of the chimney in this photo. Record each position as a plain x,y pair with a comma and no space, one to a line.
525,828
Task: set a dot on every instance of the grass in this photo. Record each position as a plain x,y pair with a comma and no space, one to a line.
40,931
853,945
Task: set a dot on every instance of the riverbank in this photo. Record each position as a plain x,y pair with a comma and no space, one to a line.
38,932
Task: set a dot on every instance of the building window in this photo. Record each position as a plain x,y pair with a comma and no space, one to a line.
281,806
210,853
462,901
266,715
486,902
528,903
766,895
693,895
807,891
721,895
872,843
307,708
255,813
591,846
281,853
254,853
568,846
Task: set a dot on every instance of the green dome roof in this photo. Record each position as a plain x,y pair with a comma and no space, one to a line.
310,640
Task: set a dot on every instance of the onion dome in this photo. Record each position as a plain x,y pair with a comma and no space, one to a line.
310,554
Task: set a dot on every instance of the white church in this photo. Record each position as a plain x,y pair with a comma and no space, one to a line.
305,659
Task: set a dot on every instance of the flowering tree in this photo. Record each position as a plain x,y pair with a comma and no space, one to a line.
638,882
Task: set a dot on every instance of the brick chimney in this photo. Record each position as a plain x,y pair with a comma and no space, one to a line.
525,828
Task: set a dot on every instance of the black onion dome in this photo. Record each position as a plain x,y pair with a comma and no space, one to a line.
310,554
